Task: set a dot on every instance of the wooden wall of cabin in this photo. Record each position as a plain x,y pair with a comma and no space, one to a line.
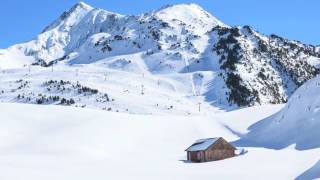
218,154
221,150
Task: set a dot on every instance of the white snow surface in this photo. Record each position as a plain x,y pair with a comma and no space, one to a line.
312,173
128,87
66,143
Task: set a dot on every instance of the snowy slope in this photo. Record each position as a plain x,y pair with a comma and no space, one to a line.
312,173
297,123
55,142
191,50
262,69
100,88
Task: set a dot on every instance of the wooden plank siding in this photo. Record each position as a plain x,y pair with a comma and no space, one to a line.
221,149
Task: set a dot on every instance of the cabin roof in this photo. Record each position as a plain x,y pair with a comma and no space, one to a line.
202,144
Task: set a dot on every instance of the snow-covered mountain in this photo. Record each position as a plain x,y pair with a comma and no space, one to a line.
226,65
262,69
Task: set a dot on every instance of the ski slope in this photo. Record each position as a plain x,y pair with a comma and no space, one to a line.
134,92
66,143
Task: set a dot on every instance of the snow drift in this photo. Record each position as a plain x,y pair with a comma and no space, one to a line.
297,123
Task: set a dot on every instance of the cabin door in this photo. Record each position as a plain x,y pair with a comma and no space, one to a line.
199,156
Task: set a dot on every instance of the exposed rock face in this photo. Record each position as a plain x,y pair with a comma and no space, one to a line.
260,69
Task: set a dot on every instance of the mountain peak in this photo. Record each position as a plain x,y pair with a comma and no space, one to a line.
82,5
182,6
79,7
190,14
75,13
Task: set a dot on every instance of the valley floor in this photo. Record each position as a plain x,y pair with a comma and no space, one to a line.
56,142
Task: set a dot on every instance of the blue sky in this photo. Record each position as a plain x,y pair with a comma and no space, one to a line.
21,20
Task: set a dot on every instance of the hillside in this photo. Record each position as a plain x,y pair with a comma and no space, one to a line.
297,123
180,47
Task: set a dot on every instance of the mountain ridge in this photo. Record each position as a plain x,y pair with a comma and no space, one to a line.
80,6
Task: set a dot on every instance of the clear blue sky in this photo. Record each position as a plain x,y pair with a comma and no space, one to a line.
21,20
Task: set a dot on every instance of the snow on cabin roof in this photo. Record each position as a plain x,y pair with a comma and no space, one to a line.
202,144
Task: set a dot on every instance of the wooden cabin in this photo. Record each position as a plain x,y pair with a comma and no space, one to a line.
211,149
